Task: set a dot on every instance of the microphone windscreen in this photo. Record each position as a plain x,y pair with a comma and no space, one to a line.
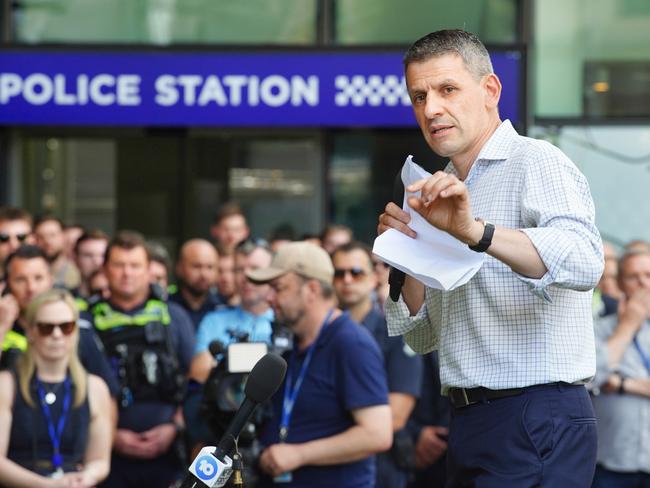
265,377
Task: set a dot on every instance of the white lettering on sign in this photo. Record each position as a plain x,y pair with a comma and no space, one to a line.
234,90
102,89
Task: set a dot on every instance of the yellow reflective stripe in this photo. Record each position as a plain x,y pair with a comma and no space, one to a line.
160,309
14,340
82,305
107,318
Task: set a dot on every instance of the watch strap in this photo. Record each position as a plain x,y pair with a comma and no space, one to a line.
486,240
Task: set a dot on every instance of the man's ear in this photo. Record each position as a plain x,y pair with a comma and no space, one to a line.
492,86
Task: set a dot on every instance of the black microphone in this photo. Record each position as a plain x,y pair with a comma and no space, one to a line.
216,348
396,277
212,466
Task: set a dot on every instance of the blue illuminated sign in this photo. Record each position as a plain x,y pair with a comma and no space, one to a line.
227,89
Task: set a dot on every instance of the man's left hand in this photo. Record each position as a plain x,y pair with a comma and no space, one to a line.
159,438
444,203
280,458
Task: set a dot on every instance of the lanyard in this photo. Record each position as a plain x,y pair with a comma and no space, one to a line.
291,394
55,434
644,357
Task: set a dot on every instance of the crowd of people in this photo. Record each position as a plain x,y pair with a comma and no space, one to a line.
106,346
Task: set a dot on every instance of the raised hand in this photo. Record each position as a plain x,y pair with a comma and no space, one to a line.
444,203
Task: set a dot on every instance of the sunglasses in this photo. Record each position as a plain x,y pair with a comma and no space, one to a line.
46,328
380,264
4,238
356,273
248,245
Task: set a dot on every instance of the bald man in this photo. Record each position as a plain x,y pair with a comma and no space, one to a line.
196,272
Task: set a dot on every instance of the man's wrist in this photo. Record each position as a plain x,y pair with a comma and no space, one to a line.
476,233
485,240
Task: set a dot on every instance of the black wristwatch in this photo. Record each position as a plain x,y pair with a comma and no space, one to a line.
486,240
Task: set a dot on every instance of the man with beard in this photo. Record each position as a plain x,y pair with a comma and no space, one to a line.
252,318
331,414
50,237
196,272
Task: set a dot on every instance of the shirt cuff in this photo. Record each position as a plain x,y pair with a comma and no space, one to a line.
398,316
538,285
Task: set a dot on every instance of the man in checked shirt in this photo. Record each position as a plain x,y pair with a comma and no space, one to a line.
516,343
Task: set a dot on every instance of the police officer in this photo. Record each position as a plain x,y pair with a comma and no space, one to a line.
355,281
27,275
149,343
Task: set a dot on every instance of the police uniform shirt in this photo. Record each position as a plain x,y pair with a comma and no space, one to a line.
403,365
143,416
212,303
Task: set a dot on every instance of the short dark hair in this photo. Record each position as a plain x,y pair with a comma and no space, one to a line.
126,239
15,213
90,235
226,210
159,254
452,41
47,217
249,245
26,251
355,246
329,228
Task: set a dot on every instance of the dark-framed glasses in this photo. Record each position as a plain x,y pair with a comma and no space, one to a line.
356,272
47,328
4,238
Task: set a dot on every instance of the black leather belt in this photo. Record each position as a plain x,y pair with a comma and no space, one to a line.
463,397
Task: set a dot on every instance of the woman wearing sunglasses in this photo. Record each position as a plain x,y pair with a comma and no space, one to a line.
55,427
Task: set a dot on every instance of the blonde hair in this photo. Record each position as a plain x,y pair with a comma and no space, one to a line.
26,366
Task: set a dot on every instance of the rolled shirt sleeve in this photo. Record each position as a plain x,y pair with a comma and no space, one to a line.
559,218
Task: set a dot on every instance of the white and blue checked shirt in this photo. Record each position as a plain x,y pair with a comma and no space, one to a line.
503,330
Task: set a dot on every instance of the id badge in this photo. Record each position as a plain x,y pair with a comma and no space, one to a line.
57,474
284,478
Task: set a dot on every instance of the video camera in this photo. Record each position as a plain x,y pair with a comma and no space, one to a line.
223,391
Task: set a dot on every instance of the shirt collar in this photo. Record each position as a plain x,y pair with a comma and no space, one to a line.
499,144
498,147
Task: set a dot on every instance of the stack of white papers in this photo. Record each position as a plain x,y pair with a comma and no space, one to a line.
434,257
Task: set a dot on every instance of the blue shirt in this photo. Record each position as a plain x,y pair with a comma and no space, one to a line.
403,366
346,373
216,326
212,303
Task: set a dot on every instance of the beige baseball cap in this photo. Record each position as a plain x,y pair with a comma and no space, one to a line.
303,258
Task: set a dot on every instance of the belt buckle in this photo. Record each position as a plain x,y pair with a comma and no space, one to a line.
467,403
463,399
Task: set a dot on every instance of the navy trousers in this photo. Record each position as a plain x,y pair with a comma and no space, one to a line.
544,437
611,479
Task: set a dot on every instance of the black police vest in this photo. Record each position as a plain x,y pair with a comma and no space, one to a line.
141,352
